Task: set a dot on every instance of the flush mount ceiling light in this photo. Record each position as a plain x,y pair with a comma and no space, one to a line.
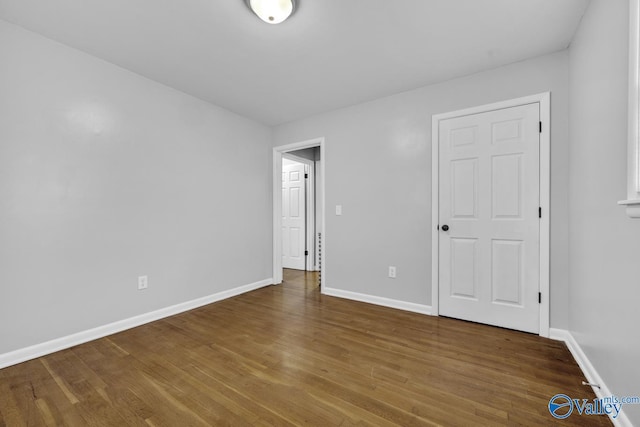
272,11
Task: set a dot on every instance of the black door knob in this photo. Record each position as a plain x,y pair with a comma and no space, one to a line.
445,227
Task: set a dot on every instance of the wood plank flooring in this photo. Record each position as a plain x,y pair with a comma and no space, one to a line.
287,355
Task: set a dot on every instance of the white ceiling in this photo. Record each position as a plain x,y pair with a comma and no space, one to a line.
329,54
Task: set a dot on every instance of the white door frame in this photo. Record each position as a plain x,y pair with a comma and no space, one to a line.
544,99
309,209
277,203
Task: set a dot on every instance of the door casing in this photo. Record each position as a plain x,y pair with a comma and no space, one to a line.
544,100
277,203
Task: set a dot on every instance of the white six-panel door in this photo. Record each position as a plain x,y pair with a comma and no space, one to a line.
489,196
293,215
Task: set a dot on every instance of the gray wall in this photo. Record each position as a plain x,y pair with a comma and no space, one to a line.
105,176
378,166
605,244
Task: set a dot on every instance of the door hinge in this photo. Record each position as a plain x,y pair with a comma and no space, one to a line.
540,212
306,253
306,175
540,126
539,297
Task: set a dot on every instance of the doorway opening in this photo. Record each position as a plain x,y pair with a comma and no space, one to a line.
298,208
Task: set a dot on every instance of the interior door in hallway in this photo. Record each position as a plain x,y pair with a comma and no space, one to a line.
293,215
489,198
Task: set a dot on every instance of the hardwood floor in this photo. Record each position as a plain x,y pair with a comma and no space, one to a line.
287,355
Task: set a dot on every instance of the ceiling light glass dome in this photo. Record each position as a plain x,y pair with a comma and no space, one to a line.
272,11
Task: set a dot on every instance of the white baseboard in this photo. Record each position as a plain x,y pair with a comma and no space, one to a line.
371,299
39,350
589,371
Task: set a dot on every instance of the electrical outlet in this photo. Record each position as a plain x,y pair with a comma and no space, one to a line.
143,282
392,272
338,209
